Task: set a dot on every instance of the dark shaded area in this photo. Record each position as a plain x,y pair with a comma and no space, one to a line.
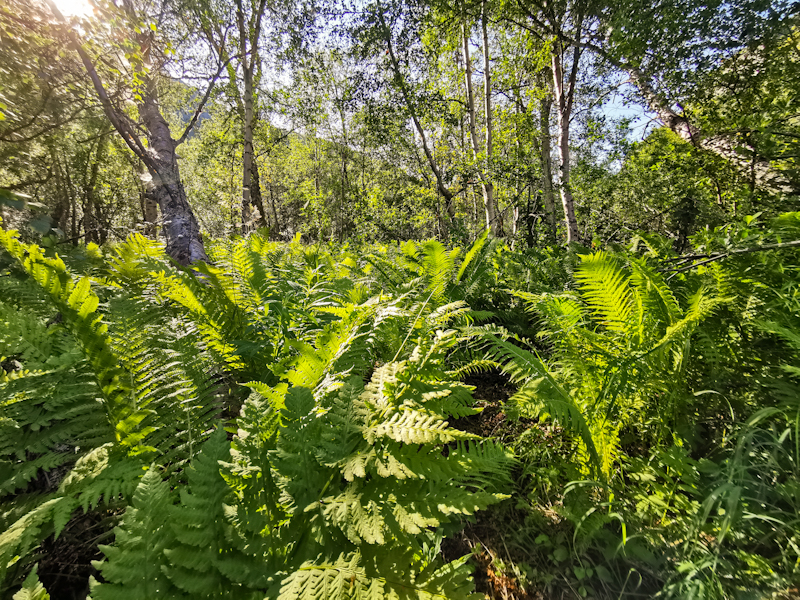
483,538
65,565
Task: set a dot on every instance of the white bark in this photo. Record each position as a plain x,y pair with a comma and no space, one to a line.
547,166
764,174
563,97
486,186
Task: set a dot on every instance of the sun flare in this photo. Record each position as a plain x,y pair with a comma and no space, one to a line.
74,8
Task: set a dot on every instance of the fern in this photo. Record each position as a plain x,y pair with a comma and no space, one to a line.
346,578
343,579
78,303
622,341
32,589
541,395
133,566
50,425
323,470
608,291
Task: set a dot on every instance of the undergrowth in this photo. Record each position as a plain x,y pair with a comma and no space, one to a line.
291,421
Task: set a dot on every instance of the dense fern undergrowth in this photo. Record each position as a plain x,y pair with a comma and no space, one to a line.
287,422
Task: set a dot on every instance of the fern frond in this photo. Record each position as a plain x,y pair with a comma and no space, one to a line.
32,589
654,295
412,427
541,394
133,566
345,579
203,562
539,399
44,415
342,579
607,290
473,367
473,251
26,533
78,304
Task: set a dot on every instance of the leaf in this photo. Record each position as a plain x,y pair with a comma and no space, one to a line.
32,589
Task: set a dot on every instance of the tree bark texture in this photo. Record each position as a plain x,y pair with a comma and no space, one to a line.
90,224
180,227
486,186
547,166
763,174
495,219
181,230
563,96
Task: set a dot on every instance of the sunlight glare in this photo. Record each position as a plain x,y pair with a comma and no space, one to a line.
74,8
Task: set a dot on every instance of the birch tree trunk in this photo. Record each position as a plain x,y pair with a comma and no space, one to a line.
486,186
180,227
761,170
547,166
251,191
495,221
563,96
89,208
164,185
149,214
400,81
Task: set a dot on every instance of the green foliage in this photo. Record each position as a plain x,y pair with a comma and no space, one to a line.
694,372
87,399
329,488
296,407
619,343
32,589
328,474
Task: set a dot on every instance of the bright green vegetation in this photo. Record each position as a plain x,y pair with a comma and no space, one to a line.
333,299
281,424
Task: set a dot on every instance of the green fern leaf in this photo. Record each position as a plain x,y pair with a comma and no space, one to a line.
133,566
32,589
607,289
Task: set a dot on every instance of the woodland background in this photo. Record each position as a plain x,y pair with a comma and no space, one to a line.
330,299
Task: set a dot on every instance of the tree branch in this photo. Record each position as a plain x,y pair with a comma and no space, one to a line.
708,258
202,104
117,120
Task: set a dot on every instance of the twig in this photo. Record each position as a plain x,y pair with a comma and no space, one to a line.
714,257
203,101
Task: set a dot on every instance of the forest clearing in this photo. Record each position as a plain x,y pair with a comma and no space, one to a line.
313,299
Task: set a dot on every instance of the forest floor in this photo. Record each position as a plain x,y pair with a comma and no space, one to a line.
484,538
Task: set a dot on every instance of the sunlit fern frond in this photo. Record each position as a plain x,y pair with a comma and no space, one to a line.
607,290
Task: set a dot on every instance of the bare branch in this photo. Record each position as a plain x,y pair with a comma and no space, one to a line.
202,104
715,257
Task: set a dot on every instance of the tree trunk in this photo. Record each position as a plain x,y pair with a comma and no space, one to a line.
247,119
182,233
251,193
547,166
563,101
255,193
495,220
274,213
486,186
763,174
61,211
180,227
149,214
401,83
90,223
